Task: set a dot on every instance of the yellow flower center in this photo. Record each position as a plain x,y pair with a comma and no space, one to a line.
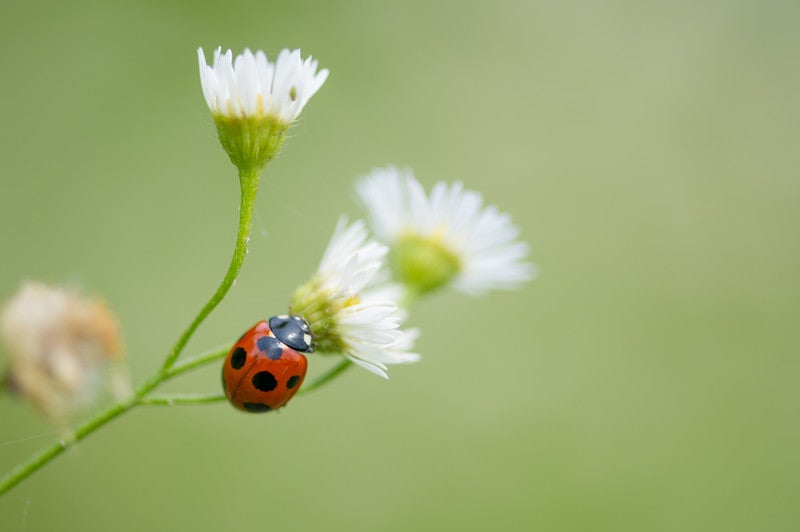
320,308
424,263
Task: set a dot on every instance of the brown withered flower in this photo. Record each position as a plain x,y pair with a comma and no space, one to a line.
63,349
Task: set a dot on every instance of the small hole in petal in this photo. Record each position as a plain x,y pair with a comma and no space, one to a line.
293,93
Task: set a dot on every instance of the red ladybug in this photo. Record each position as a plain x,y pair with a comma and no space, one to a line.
265,368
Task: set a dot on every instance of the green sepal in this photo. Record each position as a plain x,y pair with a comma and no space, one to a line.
319,307
250,142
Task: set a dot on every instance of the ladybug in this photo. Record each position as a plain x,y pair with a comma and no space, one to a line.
265,368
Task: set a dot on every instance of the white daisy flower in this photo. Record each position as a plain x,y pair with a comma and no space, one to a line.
447,237
252,86
254,101
345,316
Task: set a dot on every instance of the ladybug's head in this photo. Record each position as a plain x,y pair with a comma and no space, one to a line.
293,331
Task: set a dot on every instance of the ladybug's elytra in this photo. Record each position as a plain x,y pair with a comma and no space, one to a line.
265,368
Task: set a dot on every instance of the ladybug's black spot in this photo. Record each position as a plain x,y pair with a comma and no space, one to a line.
264,381
292,382
270,346
256,407
238,358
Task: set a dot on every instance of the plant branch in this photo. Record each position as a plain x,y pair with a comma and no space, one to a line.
329,375
181,399
248,183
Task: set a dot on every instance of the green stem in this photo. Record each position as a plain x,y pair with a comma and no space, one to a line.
25,469
192,399
200,360
248,181
181,399
331,374
409,297
249,184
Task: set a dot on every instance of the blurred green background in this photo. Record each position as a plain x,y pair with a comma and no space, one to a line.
647,381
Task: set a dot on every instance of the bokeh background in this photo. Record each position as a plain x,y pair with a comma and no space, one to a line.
648,151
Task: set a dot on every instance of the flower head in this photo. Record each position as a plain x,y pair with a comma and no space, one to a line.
252,87
445,238
60,346
254,101
348,317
